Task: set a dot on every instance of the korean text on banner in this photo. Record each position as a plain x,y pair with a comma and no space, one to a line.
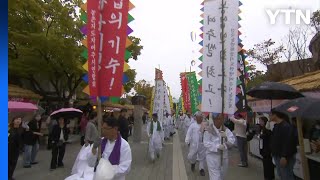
212,56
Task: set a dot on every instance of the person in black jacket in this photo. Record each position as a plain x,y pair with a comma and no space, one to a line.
123,124
35,126
131,123
283,145
265,150
60,134
14,145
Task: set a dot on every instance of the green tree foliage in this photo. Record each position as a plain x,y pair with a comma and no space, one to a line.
135,48
131,74
44,45
265,52
142,87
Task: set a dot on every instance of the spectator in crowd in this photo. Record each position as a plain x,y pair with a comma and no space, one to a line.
283,145
14,144
240,125
83,125
265,150
123,124
91,129
35,125
60,134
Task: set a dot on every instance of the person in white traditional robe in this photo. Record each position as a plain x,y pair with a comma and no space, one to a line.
187,122
155,134
194,139
172,124
113,148
217,167
181,121
166,126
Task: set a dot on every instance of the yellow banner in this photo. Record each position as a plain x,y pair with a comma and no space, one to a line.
151,103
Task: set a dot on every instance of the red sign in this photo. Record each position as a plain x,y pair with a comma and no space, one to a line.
158,74
110,33
185,92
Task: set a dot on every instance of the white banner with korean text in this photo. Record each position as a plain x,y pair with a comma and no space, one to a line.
212,55
158,102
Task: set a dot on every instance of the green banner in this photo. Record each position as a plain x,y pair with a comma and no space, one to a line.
194,91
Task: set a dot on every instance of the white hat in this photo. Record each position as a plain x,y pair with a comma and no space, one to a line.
198,113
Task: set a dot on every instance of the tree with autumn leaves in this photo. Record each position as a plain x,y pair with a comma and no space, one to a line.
44,48
294,47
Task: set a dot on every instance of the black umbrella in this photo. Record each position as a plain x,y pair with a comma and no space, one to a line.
274,90
304,108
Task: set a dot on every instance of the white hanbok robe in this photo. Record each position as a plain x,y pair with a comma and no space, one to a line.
171,124
212,140
155,140
125,159
187,122
166,126
197,151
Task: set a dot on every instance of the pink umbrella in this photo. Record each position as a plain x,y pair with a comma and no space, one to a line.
66,113
14,106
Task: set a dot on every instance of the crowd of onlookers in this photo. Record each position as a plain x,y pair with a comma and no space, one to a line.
26,136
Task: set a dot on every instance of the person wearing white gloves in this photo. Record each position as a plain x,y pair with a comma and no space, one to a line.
114,148
215,149
155,134
194,139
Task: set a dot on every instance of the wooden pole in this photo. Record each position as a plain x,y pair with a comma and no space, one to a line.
99,109
304,161
223,69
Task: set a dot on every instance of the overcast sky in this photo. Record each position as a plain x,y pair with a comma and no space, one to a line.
164,27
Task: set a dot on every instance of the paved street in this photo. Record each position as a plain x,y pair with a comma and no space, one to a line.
172,164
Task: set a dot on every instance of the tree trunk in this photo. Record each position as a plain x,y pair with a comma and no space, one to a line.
137,129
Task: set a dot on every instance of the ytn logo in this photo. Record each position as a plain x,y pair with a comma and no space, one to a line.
299,14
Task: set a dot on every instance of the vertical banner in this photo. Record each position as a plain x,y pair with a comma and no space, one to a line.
166,101
114,40
151,103
214,38
159,98
241,100
171,101
93,41
194,93
185,92
107,33
158,104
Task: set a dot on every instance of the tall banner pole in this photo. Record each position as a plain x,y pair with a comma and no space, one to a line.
223,71
99,124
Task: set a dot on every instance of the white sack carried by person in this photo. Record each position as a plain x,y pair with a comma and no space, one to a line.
116,157
81,163
104,171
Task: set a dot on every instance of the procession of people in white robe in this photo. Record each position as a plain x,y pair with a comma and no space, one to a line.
208,142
